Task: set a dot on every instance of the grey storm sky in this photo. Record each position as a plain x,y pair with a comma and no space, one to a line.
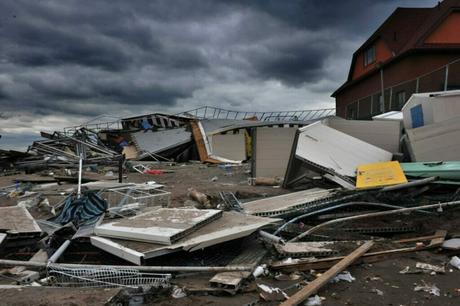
65,62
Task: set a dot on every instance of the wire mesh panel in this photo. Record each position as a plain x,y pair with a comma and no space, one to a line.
145,197
105,277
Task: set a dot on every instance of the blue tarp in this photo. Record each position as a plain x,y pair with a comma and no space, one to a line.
84,210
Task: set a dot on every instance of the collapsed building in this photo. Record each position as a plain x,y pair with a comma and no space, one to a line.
161,201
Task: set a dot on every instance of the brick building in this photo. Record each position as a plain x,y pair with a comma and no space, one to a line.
414,50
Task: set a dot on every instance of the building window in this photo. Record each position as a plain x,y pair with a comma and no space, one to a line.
369,55
351,111
381,104
400,98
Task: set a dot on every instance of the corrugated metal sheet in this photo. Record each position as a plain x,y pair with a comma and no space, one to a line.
278,205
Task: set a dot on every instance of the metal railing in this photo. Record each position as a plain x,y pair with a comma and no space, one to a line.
210,112
446,77
95,127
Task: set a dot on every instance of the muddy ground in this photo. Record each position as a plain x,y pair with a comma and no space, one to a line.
379,283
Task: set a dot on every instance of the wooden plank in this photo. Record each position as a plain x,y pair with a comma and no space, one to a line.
319,282
440,240
199,141
325,263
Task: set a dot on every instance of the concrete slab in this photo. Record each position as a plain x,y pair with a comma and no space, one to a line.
163,225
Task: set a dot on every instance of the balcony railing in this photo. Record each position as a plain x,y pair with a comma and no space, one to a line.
445,78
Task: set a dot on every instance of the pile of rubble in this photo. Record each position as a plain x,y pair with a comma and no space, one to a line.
80,209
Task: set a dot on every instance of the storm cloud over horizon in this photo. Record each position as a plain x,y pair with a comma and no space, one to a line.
65,62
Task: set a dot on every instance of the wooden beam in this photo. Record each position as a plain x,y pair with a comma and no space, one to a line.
199,141
440,240
319,282
325,263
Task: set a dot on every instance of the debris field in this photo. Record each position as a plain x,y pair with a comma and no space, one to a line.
211,207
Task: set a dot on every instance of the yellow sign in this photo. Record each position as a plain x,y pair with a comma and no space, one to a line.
380,174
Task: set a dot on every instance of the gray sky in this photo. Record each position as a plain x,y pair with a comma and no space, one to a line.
65,62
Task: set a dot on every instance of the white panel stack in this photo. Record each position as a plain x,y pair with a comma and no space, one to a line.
163,225
336,152
384,134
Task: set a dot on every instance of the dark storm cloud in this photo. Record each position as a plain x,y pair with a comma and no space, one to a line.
142,95
317,14
3,95
91,57
293,62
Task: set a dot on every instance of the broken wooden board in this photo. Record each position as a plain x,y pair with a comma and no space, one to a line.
229,280
251,255
199,141
324,263
162,226
322,280
130,152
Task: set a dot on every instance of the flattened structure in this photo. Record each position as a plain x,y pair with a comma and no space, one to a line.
332,151
230,226
162,226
